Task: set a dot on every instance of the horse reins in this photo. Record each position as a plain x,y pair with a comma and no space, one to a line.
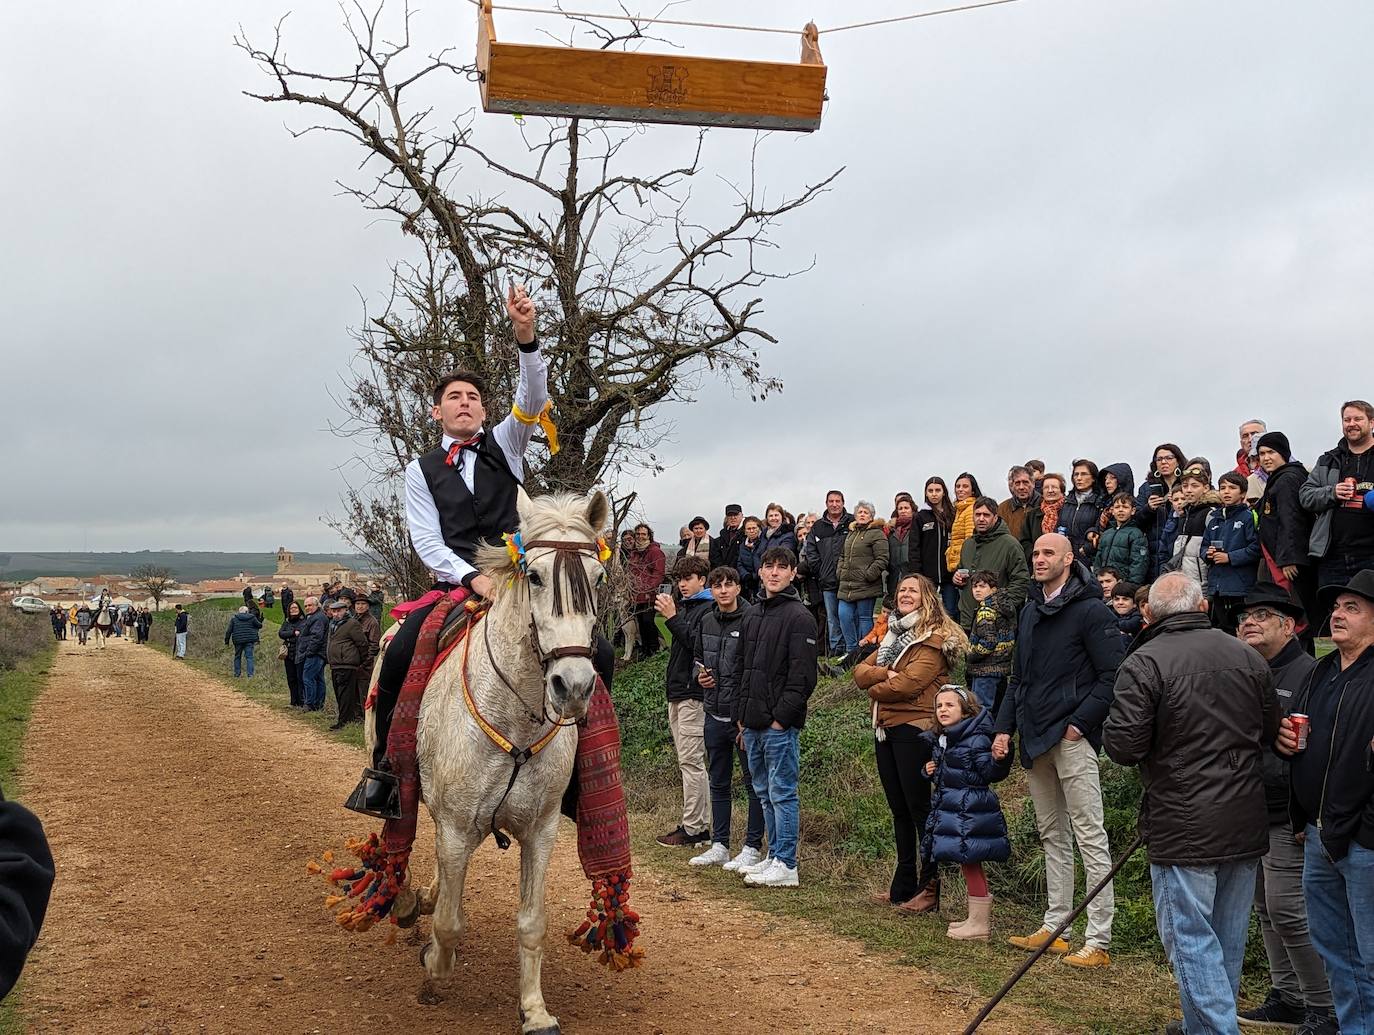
519,755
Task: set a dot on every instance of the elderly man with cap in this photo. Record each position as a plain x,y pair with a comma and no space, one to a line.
1285,527
725,547
1299,994
1331,800
349,653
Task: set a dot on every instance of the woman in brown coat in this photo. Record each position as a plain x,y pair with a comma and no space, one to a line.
902,678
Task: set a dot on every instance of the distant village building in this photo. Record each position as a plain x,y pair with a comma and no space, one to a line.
309,573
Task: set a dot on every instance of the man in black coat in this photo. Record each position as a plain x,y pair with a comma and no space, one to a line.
1195,709
1285,528
1067,651
725,547
1299,992
820,559
777,673
1332,800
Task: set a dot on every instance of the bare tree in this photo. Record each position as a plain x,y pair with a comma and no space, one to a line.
154,580
374,524
640,296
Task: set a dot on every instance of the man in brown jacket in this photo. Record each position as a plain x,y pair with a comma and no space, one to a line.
348,653
372,629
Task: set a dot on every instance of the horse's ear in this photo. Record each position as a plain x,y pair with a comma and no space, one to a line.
524,506
598,511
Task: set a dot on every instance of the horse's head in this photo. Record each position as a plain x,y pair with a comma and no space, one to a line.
559,580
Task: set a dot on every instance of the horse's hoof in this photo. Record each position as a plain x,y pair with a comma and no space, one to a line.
407,908
428,994
551,1029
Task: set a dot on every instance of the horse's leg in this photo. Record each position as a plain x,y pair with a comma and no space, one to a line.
535,852
453,852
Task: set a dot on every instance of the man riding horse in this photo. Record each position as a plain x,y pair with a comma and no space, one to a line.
459,496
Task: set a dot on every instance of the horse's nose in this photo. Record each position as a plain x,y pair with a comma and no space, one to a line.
571,690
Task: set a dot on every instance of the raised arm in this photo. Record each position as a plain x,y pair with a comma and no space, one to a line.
513,434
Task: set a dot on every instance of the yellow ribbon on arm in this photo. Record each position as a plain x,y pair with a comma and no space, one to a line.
544,418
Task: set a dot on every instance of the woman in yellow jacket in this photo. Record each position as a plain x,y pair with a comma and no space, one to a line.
902,677
966,491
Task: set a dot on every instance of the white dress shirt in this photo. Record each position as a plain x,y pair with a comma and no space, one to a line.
513,436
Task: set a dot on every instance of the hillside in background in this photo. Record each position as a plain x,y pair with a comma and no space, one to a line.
186,566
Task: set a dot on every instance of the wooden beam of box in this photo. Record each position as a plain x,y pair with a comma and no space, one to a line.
523,79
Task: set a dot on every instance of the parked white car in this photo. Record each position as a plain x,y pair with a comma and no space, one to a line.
30,605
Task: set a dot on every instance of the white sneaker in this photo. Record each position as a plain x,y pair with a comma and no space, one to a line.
779,875
747,857
756,867
717,855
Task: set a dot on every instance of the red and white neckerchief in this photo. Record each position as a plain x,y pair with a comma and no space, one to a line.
457,447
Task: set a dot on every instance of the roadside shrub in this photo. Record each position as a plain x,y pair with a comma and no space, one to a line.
22,636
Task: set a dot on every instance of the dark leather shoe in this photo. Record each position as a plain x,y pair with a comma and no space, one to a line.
378,794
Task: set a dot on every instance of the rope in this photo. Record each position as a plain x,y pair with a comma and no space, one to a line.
639,20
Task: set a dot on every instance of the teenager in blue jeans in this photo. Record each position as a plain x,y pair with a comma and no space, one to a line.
777,672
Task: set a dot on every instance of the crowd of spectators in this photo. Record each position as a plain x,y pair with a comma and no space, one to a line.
1173,622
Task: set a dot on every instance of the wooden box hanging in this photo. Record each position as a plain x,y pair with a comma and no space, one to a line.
565,82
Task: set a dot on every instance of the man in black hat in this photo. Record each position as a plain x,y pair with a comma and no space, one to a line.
1299,994
725,547
1332,800
1285,529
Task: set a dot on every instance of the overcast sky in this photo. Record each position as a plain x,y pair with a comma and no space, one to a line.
1067,227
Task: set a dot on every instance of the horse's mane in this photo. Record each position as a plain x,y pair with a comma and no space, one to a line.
559,515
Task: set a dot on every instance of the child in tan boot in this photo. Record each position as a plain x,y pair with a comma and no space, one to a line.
966,824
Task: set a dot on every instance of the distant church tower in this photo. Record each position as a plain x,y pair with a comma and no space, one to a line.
285,559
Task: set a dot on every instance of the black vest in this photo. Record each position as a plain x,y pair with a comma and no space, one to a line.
466,519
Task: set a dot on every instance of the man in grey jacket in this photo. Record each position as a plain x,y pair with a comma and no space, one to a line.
1195,709
1343,532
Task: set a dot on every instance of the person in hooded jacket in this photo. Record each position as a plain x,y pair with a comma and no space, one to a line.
966,825
1067,652
716,651
1153,510
902,677
1285,528
1342,541
1115,478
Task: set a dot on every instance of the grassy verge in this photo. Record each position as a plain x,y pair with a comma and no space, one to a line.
24,666
207,652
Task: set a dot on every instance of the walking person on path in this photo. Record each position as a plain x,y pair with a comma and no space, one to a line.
183,626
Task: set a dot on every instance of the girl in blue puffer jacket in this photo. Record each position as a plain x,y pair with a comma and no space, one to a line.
966,825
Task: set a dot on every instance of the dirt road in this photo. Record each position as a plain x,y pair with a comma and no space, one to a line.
182,815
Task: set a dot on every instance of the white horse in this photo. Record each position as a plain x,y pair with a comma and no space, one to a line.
528,665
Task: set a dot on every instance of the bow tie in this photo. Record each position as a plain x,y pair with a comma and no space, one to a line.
458,447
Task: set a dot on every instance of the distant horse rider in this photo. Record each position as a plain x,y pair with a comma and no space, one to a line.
463,494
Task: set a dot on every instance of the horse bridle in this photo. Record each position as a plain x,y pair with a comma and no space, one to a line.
570,651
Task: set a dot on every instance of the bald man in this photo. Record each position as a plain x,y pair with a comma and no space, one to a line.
1067,652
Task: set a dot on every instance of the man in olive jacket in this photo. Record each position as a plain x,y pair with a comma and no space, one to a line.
993,548
349,653
1194,708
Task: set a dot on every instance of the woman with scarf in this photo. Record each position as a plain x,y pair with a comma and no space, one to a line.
1045,517
903,544
902,677
933,526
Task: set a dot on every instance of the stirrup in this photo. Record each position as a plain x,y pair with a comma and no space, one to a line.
378,794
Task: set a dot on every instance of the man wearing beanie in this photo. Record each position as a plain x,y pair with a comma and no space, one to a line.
1285,528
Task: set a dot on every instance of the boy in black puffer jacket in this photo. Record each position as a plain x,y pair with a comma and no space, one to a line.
717,671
